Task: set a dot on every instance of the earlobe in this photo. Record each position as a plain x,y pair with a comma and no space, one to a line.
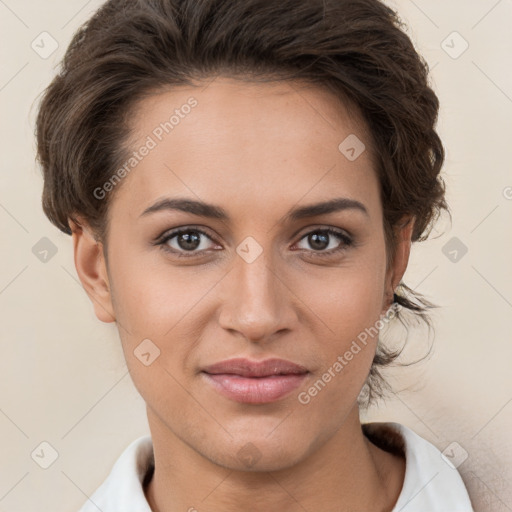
91,269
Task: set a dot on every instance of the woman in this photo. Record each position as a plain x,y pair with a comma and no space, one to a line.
242,181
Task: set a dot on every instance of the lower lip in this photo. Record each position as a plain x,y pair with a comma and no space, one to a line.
255,390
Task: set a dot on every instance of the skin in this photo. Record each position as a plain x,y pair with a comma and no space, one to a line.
258,151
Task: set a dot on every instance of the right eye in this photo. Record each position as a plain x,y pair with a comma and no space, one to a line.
185,242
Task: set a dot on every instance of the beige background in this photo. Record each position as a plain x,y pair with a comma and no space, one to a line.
63,378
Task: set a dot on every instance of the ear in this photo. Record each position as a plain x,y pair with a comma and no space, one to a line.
92,270
396,269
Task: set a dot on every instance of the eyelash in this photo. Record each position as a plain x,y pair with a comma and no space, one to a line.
162,242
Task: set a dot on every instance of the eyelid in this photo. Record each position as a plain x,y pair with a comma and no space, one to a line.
171,233
346,238
322,227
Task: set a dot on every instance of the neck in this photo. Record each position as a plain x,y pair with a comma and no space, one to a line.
346,473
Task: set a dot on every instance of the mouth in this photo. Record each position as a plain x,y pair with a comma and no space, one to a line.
255,382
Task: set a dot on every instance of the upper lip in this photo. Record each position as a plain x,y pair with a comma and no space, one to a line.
248,368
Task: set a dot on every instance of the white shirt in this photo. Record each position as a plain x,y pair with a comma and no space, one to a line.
431,484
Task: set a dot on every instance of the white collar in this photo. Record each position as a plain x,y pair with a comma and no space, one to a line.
430,484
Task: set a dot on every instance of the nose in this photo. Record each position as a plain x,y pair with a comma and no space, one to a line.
257,302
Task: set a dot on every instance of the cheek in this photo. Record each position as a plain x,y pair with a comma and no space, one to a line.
348,303
151,299
350,309
151,307
348,299
162,310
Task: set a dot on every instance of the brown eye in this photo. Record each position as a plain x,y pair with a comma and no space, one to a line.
186,240
318,241
327,241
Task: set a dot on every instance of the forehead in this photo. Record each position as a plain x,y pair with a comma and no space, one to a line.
246,144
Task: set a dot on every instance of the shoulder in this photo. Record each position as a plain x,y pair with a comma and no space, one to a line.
431,482
123,488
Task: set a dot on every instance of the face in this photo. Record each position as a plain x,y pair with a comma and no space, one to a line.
256,275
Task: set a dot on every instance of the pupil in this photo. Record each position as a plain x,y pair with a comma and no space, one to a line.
319,241
187,241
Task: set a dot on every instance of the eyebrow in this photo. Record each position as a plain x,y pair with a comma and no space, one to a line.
211,211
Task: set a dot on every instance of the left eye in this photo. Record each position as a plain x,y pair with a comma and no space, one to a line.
324,240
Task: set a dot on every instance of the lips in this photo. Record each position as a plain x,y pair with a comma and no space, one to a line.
247,368
255,382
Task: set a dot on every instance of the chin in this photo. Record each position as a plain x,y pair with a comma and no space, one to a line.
259,452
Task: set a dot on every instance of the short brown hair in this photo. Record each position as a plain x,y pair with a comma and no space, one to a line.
356,48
